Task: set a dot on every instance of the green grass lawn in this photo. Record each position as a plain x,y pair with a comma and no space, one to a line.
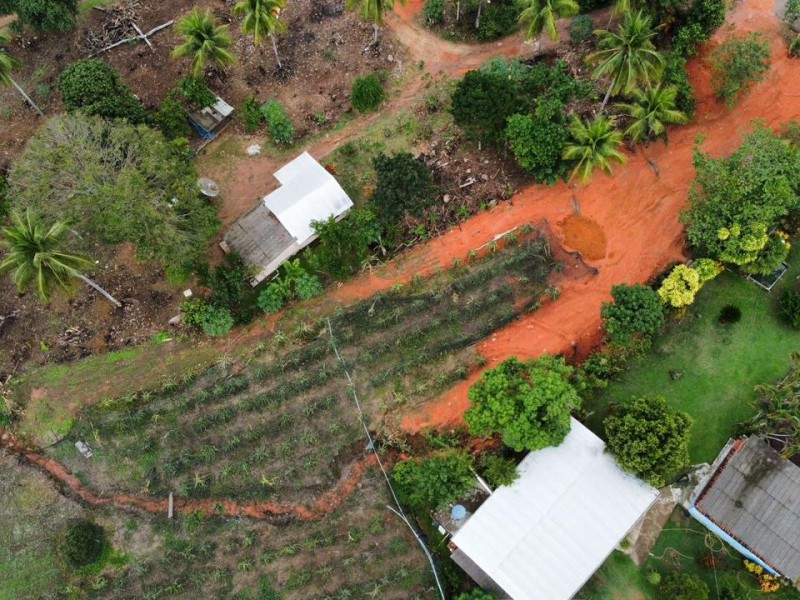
719,365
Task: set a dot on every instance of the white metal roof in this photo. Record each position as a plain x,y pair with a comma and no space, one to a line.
308,193
222,107
543,537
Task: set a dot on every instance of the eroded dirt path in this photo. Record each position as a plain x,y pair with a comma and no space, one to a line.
266,511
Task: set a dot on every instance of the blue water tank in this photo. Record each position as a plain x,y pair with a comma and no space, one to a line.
458,512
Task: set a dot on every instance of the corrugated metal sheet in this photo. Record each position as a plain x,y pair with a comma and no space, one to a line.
544,536
755,497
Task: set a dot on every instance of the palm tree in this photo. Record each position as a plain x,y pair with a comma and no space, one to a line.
34,257
620,8
372,10
7,64
205,40
262,19
652,110
541,15
594,145
628,56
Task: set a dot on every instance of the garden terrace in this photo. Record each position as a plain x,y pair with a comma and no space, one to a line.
284,428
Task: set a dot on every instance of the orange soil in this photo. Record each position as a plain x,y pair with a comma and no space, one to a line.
324,505
585,236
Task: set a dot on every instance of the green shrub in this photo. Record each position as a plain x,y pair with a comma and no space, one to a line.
279,124
653,577
682,586
404,185
82,544
794,47
171,119
537,141
272,298
498,470
729,314
770,258
675,75
196,93
251,115
476,594
737,65
214,321
5,203
433,11
581,28
307,286
499,19
434,482
367,93
636,313
95,88
343,245
483,101
790,306
43,15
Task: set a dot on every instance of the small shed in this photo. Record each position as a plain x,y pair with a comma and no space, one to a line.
279,226
211,120
543,537
751,499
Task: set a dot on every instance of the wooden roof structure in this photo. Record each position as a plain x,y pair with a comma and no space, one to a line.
753,496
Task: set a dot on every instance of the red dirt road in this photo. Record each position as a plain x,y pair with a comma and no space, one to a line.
636,211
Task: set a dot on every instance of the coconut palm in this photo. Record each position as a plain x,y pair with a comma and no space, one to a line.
594,145
7,64
652,110
619,9
34,257
262,19
204,40
372,10
628,56
542,15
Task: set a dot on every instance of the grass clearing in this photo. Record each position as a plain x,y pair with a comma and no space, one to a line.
717,366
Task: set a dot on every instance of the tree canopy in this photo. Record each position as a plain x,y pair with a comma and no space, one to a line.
405,185
735,202
528,403
343,245
43,15
117,182
649,438
636,313
482,102
682,284
778,406
436,481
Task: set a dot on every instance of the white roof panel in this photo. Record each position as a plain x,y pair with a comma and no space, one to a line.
223,107
308,193
542,537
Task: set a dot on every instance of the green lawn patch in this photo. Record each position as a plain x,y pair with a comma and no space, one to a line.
707,369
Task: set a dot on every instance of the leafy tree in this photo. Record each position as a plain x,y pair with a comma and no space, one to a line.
683,586
205,40
734,202
433,11
96,89
635,313
262,19
649,439
82,543
372,10
528,403
778,409
35,255
117,182
790,306
498,470
629,56
652,110
196,94
343,245
594,145
538,141
404,185
680,287
500,18
280,126
675,75
483,101
51,16
542,15
215,321
171,119
7,64
702,19
434,482
367,93
737,65
251,115
272,298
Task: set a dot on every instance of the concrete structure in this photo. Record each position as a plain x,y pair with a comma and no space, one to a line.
543,537
280,226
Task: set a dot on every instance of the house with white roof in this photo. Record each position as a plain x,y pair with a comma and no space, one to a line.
544,536
279,226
